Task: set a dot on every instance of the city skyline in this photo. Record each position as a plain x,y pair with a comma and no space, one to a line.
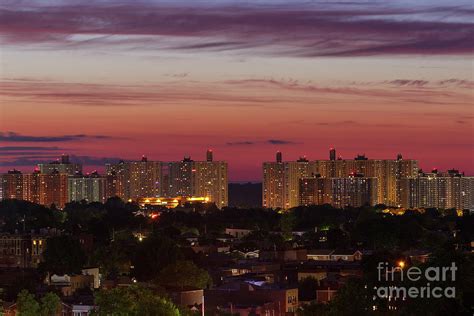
119,79
100,166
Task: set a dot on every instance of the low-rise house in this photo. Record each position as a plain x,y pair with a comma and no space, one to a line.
237,232
69,284
346,255
320,254
418,255
95,273
328,287
284,255
21,251
190,298
323,269
255,254
243,297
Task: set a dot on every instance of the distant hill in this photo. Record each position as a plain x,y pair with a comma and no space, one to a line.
245,195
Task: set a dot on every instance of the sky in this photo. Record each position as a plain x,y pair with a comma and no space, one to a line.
108,80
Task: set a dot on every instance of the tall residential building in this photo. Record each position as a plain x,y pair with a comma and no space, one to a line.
439,190
91,188
144,178
190,178
185,178
12,185
134,179
31,186
354,190
274,183
210,181
37,187
53,189
388,173
177,178
62,165
118,180
281,179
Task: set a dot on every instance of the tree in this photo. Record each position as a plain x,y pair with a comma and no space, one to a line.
313,309
132,301
63,254
184,274
152,255
27,305
351,299
287,223
50,304
307,289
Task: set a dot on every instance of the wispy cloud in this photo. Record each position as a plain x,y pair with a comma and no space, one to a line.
253,92
32,161
300,29
268,142
17,138
23,148
241,143
280,142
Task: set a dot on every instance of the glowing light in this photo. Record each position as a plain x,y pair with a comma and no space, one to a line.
401,264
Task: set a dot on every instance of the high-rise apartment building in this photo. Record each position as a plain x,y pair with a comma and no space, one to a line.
441,190
31,186
36,187
210,181
134,179
91,188
273,190
144,180
189,178
53,189
281,179
12,185
118,180
185,178
62,165
354,190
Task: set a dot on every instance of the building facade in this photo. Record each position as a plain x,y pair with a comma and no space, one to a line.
62,165
440,190
354,190
91,188
186,178
281,180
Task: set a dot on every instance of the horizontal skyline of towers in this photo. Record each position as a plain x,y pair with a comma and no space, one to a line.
136,179
398,182
63,182
435,189
281,178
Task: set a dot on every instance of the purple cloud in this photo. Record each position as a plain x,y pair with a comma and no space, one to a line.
15,137
323,29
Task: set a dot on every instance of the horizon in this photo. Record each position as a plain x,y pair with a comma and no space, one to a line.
100,168
119,79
